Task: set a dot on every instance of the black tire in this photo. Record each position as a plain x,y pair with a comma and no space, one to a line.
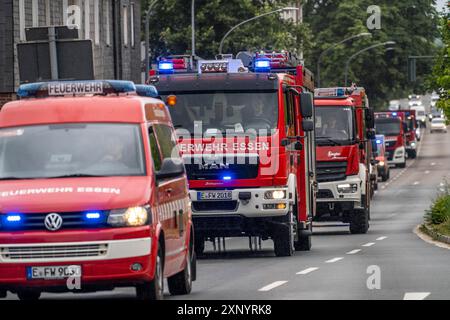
29,295
283,238
401,165
181,283
359,222
413,154
385,177
304,243
199,245
153,290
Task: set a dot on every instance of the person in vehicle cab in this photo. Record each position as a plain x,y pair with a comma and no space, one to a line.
331,129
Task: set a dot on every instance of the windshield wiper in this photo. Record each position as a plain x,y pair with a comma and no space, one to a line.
14,178
329,140
75,175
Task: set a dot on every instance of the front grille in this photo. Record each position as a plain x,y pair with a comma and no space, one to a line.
390,155
202,168
53,252
218,224
324,194
71,220
390,144
214,206
331,171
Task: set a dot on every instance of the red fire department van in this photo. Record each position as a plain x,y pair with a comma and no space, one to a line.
391,125
92,196
246,132
344,128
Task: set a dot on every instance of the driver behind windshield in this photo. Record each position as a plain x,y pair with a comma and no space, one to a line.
334,129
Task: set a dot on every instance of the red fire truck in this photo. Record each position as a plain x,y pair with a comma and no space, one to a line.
344,128
391,125
91,195
409,117
246,132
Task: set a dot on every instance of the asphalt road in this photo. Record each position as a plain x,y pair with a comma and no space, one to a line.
337,266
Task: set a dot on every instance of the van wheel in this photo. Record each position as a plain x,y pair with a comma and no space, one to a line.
401,165
199,245
181,283
283,238
29,295
153,290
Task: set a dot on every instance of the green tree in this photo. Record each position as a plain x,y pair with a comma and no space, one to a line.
412,24
440,80
171,27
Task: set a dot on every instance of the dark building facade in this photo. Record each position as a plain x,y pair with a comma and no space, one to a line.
113,26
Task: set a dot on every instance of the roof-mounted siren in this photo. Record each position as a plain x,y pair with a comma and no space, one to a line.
147,91
221,66
75,88
330,92
272,61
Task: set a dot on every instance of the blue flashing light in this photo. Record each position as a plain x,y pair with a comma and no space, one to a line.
121,86
147,91
13,218
340,92
262,65
166,67
93,215
227,178
394,114
378,141
29,90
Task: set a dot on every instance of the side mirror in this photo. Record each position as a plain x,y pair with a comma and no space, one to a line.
371,135
306,105
370,119
170,168
308,125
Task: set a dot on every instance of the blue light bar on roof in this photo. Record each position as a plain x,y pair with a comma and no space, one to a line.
262,65
166,67
75,88
147,91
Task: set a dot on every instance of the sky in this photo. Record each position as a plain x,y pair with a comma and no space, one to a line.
440,4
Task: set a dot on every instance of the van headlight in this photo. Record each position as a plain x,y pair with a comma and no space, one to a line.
347,188
275,195
131,217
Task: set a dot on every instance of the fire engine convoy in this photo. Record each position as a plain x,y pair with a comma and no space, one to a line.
92,195
391,125
344,128
246,132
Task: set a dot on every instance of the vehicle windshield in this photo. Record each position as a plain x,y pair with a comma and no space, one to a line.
334,124
226,112
387,127
438,121
71,150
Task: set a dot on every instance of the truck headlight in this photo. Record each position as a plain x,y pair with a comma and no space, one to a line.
131,217
413,145
347,188
275,195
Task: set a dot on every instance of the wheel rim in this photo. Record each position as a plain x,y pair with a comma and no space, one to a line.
159,278
188,267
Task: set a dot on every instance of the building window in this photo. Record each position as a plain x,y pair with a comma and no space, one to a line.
97,21
35,12
132,23
125,26
106,10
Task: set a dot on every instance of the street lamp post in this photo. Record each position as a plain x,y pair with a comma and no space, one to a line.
363,34
147,40
193,33
251,19
347,64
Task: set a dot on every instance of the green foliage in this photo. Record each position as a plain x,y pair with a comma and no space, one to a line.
439,213
440,80
412,24
171,27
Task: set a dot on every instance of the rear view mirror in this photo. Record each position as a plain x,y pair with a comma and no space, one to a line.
308,125
370,135
306,105
170,168
370,119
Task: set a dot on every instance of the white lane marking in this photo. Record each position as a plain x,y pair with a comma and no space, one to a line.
381,238
383,187
415,295
308,270
354,251
369,244
433,164
272,285
334,260
441,184
416,183
427,172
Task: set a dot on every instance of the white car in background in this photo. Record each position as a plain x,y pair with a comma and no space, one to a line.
438,124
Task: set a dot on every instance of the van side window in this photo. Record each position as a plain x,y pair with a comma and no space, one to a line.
167,141
156,154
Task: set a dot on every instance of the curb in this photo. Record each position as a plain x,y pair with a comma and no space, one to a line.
435,235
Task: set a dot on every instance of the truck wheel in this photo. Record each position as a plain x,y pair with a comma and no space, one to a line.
153,290
304,242
29,295
359,222
283,238
199,245
413,154
181,283
385,177
401,165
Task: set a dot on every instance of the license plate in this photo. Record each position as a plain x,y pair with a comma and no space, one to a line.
214,195
51,273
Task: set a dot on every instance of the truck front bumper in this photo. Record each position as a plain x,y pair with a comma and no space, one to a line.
348,190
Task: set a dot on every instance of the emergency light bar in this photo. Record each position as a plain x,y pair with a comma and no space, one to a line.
330,92
172,64
213,66
74,88
267,61
146,91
